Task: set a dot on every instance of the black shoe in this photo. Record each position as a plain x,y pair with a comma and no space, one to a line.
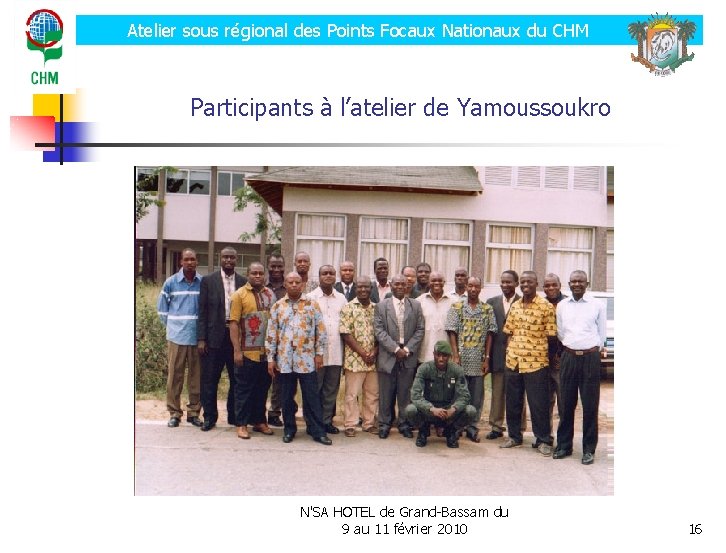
287,438
274,420
330,429
406,432
473,435
383,433
323,440
421,439
173,422
196,421
494,434
588,458
452,440
561,453
208,425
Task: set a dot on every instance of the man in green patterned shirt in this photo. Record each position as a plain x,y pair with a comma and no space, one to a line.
470,325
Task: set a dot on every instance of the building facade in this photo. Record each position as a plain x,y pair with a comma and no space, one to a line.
487,219
197,211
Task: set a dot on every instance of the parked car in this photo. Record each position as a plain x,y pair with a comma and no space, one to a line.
608,364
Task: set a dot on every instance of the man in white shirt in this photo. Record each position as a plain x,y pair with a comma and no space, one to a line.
581,327
461,277
435,306
331,302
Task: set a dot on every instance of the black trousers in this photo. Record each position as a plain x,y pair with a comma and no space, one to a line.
392,388
538,397
275,409
579,373
476,391
328,386
312,410
213,363
252,381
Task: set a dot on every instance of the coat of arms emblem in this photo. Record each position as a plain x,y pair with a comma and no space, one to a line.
662,43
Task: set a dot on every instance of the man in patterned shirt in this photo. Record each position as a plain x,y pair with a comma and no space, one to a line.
470,326
530,326
356,328
295,344
249,311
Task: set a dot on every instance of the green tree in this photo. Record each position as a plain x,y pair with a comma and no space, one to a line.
686,30
267,225
147,188
637,32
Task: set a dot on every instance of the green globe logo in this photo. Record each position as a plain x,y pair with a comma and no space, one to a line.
44,31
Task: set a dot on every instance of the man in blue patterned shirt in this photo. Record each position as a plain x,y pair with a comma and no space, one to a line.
178,308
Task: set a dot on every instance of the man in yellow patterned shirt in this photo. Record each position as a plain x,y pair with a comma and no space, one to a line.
361,378
530,325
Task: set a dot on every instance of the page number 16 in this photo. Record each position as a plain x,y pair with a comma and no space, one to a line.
696,529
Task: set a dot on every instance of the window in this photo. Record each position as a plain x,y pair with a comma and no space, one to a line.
176,183
383,237
498,175
185,181
507,247
569,249
610,278
199,182
446,246
228,183
588,178
323,237
538,177
147,179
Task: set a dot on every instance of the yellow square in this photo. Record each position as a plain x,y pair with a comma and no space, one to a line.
49,105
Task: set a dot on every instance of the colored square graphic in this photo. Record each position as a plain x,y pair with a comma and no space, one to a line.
49,104
72,132
26,130
54,121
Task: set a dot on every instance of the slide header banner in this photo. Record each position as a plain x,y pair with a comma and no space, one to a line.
374,30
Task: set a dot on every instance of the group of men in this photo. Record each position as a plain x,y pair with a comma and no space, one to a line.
413,353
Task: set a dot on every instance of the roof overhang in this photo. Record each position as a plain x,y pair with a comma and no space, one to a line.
461,181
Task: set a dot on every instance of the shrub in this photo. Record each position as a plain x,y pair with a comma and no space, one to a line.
150,336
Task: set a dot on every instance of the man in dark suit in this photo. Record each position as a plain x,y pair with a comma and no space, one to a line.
213,342
346,286
399,328
500,304
381,285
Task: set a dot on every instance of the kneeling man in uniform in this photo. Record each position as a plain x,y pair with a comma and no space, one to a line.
440,396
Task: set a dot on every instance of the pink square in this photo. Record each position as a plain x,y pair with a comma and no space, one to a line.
25,131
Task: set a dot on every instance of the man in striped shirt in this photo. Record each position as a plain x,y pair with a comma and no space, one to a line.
178,309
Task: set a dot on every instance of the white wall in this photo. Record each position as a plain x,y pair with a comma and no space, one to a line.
497,203
186,217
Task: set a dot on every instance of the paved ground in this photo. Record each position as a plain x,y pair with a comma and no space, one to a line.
186,461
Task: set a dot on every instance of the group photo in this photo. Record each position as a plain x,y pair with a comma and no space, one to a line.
460,317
